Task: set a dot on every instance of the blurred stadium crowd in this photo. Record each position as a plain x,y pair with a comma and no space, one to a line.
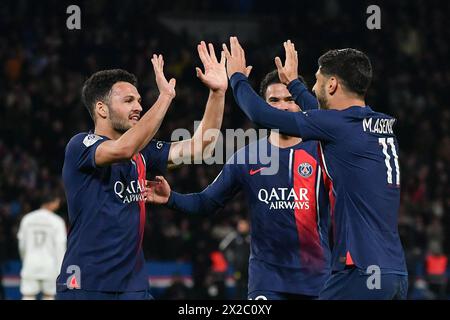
43,66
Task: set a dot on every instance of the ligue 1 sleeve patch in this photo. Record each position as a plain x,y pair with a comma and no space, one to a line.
90,139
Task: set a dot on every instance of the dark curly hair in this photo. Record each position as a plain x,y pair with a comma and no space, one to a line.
99,85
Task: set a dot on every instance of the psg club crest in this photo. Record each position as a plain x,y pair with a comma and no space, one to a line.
305,170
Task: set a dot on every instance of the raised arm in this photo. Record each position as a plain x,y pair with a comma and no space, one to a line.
215,78
259,111
310,125
288,74
256,109
137,137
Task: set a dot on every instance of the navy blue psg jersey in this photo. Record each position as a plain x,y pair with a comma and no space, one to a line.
360,156
288,209
107,216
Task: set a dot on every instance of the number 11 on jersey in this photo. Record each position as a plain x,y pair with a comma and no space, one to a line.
387,159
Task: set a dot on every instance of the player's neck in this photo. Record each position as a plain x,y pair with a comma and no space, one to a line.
47,207
283,141
107,131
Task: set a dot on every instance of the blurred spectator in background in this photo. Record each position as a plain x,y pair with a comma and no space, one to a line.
236,247
217,276
436,264
42,244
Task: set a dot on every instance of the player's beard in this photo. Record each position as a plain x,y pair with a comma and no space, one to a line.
322,98
118,124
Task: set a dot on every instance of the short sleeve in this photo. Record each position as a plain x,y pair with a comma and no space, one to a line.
81,149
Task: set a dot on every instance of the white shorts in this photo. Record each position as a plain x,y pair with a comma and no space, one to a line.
32,287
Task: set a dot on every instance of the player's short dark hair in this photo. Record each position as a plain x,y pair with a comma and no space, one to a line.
49,196
351,66
99,85
272,78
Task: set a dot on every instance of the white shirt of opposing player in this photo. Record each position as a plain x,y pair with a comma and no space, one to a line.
42,243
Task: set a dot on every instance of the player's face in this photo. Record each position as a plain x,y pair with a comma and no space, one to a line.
319,90
124,106
278,96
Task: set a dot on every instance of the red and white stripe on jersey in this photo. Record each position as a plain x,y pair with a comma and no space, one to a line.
307,219
328,181
141,170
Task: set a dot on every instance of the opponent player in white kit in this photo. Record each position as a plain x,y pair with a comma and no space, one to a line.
42,244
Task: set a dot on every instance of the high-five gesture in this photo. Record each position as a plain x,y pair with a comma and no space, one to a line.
236,58
158,191
215,76
289,71
164,87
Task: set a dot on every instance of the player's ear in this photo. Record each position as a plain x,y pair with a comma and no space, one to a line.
332,85
101,109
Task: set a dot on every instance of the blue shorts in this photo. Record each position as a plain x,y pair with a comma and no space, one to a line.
77,294
273,295
354,283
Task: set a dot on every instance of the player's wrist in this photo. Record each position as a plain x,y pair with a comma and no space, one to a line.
169,201
289,80
218,92
166,95
236,72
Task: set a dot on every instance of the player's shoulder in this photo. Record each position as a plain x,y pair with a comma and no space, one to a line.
82,141
31,216
307,145
57,219
47,215
383,115
85,139
369,112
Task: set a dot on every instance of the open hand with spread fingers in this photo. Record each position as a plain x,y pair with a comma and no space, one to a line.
288,71
215,74
165,87
236,58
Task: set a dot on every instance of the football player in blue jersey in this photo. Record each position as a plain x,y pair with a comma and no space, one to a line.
359,155
104,177
289,213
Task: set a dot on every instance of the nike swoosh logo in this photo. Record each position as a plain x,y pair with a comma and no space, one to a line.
253,172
